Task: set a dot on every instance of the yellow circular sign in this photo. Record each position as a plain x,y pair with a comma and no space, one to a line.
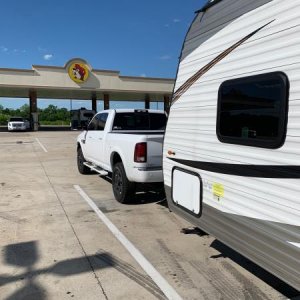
78,72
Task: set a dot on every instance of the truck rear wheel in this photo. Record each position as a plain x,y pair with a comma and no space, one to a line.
83,169
123,189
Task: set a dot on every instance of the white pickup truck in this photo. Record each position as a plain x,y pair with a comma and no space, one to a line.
125,143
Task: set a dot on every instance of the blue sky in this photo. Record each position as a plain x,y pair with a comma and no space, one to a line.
137,38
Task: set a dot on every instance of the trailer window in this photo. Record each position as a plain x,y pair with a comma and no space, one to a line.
252,111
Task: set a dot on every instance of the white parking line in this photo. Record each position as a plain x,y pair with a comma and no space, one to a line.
165,287
42,146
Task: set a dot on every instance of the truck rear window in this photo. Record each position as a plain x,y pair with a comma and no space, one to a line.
139,121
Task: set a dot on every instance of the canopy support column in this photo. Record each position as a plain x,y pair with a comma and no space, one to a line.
34,120
94,103
147,102
106,101
166,104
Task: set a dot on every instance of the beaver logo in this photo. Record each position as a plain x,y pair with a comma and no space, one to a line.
78,72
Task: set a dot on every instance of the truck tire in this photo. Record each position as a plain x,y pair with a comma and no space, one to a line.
123,189
83,169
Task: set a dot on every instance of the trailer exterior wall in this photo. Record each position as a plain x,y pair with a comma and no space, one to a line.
259,216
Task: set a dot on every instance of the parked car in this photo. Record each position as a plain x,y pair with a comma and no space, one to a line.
18,124
126,144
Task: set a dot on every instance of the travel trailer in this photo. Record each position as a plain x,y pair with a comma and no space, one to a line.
81,117
232,143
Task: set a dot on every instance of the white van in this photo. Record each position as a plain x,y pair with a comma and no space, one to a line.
232,143
18,124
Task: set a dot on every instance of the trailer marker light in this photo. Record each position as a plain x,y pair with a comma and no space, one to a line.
170,152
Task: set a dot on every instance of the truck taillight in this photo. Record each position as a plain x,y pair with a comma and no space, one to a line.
140,152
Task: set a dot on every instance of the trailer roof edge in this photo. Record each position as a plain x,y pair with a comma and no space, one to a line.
209,4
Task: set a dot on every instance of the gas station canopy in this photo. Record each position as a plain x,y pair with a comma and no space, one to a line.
77,80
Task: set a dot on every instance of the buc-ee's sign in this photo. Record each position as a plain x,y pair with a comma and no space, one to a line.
78,72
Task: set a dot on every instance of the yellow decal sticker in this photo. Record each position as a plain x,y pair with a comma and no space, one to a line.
79,72
218,189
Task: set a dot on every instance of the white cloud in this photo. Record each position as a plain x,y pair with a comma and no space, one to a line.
14,51
48,56
143,75
40,49
165,57
175,20
3,49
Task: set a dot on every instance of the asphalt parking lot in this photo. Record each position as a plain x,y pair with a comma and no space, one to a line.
54,246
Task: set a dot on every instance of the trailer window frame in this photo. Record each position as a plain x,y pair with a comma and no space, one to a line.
270,142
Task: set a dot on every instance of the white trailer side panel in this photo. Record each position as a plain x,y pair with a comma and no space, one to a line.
257,216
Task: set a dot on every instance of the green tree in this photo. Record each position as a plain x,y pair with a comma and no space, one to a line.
24,111
3,119
52,115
